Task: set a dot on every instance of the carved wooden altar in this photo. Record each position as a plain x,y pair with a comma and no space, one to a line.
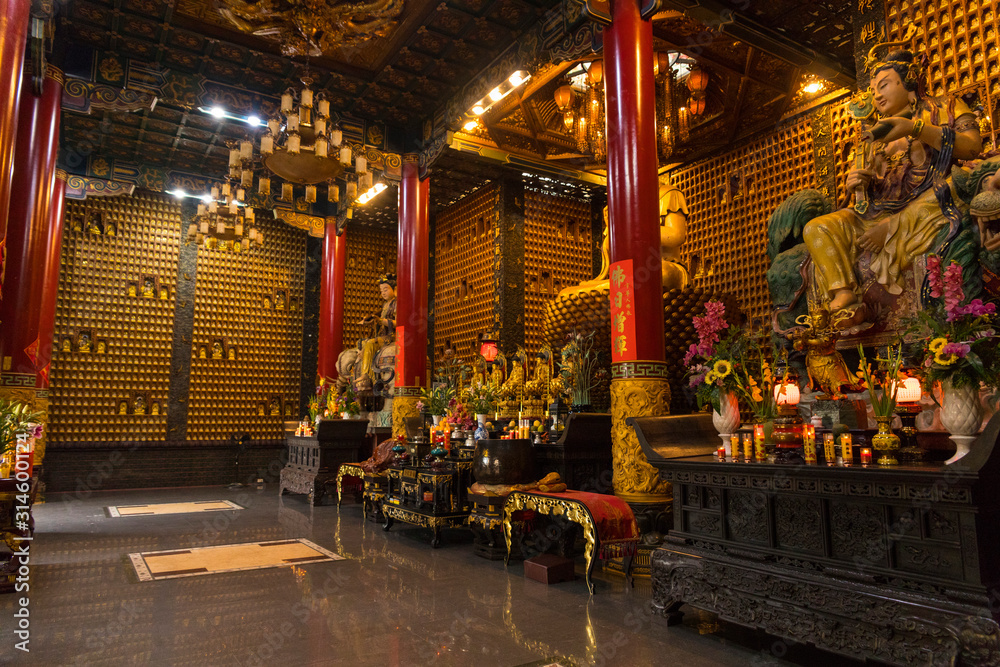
313,462
897,564
430,497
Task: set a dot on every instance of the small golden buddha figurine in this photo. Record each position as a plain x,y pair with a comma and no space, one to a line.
140,405
202,352
84,342
131,289
147,287
154,408
216,349
267,303
67,344
279,300
123,407
275,408
164,293
232,353
101,347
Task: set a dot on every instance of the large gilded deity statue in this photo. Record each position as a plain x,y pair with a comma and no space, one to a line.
856,262
366,366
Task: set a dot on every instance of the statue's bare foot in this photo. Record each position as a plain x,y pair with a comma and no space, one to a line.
842,299
852,316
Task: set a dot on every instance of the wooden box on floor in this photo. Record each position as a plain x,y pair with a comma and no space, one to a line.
549,569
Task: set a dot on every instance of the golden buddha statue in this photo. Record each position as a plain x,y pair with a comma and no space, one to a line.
673,233
901,183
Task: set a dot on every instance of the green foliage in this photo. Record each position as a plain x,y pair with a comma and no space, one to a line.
435,400
480,398
16,419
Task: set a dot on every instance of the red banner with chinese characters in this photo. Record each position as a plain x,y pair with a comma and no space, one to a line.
622,312
399,356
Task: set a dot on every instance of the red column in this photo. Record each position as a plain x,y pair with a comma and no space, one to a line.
411,290
50,286
331,305
638,388
13,38
633,185
27,232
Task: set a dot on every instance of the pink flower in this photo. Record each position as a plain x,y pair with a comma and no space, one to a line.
690,354
959,349
953,294
36,432
934,275
977,308
420,406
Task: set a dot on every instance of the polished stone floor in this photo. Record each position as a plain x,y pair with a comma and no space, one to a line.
393,601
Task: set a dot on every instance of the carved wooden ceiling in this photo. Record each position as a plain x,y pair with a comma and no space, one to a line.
401,79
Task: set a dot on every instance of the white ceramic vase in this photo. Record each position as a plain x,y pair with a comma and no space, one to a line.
961,416
436,419
728,420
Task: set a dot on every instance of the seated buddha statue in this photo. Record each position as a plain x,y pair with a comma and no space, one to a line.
904,193
384,325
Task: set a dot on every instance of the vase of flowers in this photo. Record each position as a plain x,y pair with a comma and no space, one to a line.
435,401
883,400
726,419
957,342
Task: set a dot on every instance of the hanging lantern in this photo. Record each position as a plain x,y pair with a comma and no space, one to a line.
246,149
564,97
365,181
323,106
201,210
361,164
311,194
246,178
225,190
293,144
214,192
350,213
213,207
696,104
273,126
264,186
596,72
234,157
333,194
697,79
266,144
241,193
204,227
306,97
336,137
321,146
286,192
292,123
352,191
192,230
234,208
286,101
319,126
250,215
239,228
345,155
683,124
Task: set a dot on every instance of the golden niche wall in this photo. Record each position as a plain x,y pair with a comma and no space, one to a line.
557,254
110,369
962,41
246,343
463,268
370,253
730,199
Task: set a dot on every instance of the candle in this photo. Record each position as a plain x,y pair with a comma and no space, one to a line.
760,451
866,456
734,443
721,453
829,452
809,451
846,449
747,450
748,442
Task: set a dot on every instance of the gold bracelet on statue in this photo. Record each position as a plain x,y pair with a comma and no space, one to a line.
918,127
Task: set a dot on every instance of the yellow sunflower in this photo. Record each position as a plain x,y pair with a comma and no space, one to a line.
945,359
710,377
936,344
722,368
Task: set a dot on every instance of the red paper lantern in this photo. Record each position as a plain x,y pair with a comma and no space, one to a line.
488,349
697,80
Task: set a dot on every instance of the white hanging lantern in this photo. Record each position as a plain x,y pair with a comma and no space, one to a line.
361,164
264,186
352,191
241,193
336,137
293,143
246,179
220,227
334,193
266,144
234,208
215,192
204,227
246,149
306,98
213,207
323,107
311,194
319,126
234,157
286,102
201,210
292,124
250,215
345,155
321,146
286,191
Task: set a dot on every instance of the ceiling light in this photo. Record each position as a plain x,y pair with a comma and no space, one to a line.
516,79
253,120
496,95
478,110
470,126
813,87
371,193
218,112
180,194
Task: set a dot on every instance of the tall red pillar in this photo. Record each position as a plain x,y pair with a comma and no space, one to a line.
50,286
14,16
411,293
639,385
331,305
28,234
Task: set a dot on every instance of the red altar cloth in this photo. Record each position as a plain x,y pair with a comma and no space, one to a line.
617,530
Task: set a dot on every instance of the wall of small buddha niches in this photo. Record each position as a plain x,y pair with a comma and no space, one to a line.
110,370
729,200
463,280
246,342
558,253
370,253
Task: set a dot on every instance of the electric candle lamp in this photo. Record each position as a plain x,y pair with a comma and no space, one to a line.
286,191
293,144
267,144
829,451
345,155
336,137
292,123
319,126
846,449
306,97
311,194
866,456
273,126
286,101
361,164
264,186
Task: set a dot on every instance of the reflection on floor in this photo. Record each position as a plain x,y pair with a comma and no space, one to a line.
156,565
393,601
116,511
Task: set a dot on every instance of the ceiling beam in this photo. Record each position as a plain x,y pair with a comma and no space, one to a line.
720,15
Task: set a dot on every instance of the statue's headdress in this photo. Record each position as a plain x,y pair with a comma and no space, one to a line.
387,279
904,62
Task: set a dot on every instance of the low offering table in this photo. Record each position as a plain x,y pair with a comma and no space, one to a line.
900,564
433,497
